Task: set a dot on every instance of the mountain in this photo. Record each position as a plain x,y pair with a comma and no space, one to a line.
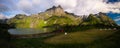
52,16
100,18
55,11
57,16
106,20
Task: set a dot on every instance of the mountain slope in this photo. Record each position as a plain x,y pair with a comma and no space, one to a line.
56,15
106,20
99,19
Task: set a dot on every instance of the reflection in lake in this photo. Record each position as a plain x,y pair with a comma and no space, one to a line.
22,31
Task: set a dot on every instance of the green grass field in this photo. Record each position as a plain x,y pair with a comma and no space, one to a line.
84,37
92,38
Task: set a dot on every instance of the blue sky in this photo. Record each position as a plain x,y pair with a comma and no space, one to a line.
10,8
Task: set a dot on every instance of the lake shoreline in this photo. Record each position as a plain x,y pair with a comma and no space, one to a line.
34,35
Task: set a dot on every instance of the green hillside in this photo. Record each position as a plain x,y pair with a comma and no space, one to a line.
56,16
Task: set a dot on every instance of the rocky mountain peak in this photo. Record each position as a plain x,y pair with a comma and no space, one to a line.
55,7
59,6
20,16
56,10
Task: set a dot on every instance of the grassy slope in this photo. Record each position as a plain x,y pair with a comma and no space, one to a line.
90,38
84,37
78,39
112,41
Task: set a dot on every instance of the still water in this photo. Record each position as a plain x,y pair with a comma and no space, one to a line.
22,31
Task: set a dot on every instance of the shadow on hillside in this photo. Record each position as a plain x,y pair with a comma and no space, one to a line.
112,41
4,36
86,27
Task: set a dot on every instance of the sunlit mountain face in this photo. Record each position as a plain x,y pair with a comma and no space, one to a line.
79,7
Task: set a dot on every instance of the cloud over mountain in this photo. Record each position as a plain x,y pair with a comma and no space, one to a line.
117,18
79,7
2,16
85,7
33,6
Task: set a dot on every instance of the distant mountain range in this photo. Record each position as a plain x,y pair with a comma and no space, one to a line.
57,16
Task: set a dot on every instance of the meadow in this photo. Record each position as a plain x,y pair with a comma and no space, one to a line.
92,38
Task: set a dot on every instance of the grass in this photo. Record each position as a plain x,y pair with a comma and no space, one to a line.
92,38
84,37
111,41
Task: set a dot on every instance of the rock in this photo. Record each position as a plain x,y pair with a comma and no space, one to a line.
65,33
55,11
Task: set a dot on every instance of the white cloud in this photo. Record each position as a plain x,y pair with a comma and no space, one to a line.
85,7
25,5
117,19
66,4
79,7
33,6
2,16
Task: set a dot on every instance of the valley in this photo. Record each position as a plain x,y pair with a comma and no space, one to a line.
56,28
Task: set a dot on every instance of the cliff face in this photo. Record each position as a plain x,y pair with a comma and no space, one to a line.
55,11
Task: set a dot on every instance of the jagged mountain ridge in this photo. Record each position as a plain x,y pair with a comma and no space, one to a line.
57,15
100,18
56,11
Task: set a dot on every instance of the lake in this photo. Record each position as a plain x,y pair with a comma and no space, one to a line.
24,31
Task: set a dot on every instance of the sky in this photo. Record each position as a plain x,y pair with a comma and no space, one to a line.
9,8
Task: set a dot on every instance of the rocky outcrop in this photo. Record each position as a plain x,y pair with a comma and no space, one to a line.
55,11
20,16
